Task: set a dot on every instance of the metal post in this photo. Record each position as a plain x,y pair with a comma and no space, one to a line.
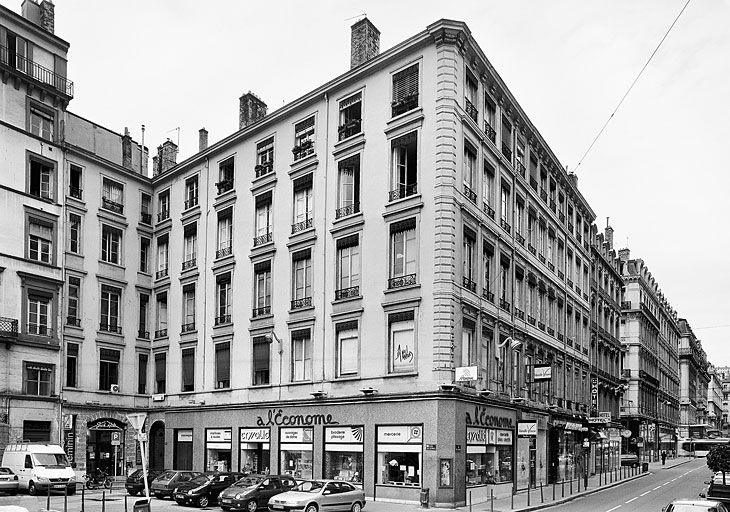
65,498
513,499
542,498
528,495
491,500
469,501
48,499
578,480
103,501
571,485
562,484
125,503
553,489
83,497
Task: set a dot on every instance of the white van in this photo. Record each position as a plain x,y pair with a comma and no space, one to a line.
38,466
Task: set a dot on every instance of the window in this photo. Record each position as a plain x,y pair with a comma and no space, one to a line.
348,348
468,259
261,349
38,379
111,240
191,192
488,185
112,196
350,116
72,365
505,207
144,255
401,330
223,299
470,163
262,288
160,372
41,123
468,344
504,280
403,252
404,166
348,267
264,222
144,302
400,463
188,369
190,245
225,176
507,138
40,241
520,155
74,292
225,233
487,256
163,255
161,330
490,116
163,207
303,207
142,374
470,97
41,174
108,368
303,138
145,208
74,186
405,90
301,341
520,218
110,300
38,316
264,157
223,365
301,279
516,370
348,200
74,233
188,308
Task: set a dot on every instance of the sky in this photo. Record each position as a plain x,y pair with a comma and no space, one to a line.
659,171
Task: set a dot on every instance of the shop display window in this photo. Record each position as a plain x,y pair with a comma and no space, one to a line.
399,468
347,466
504,464
480,468
297,463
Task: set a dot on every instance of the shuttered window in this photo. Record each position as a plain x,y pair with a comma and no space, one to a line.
405,83
223,365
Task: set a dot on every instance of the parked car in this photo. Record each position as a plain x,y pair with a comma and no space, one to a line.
8,481
695,506
253,492
717,490
135,481
204,489
315,495
630,459
163,485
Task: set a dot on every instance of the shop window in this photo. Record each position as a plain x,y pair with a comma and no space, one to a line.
255,446
223,365
38,379
399,449
402,332
218,449
295,451
183,451
343,454
37,431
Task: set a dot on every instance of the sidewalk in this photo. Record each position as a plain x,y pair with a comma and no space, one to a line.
536,502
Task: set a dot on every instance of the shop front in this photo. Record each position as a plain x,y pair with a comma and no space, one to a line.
105,442
296,450
218,449
567,457
183,449
254,445
344,449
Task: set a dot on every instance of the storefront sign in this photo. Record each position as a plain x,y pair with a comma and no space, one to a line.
594,392
504,437
68,421
400,434
343,434
218,435
482,417
184,436
295,435
568,425
466,373
277,417
542,372
255,435
69,444
431,447
476,436
526,429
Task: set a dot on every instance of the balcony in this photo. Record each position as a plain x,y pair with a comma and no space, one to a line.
146,218
491,132
626,304
346,211
488,295
507,151
471,110
551,331
561,336
190,203
532,249
224,186
73,321
110,205
263,239
223,319
349,129
577,289
519,314
469,284
263,169
110,327
36,71
543,195
223,252
163,215
520,239
145,335
570,341
541,326
306,148
188,327
561,216
488,210
570,282
404,105
551,266
161,333
505,225
161,273
561,275
402,192
305,302
521,170
470,194
74,192
401,281
301,226
8,327
503,304
347,293
541,257
533,183
531,320
187,265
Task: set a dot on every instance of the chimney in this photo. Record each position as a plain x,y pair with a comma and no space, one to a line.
155,164
609,237
623,255
126,149
31,11
573,177
251,109
202,139
167,155
47,16
364,42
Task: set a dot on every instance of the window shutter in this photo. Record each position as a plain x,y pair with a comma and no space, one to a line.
303,183
108,355
405,83
350,101
300,334
263,199
348,241
403,225
346,326
222,362
303,125
304,254
264,266
404,316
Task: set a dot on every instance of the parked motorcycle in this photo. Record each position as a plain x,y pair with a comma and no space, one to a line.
98,478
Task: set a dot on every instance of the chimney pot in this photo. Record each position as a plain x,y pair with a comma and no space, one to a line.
31,11
609,237
202,139
167,154
47,16
126,149
364,42
251,109
573,177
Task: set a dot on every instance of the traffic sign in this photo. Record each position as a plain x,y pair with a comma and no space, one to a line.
116,438
137,420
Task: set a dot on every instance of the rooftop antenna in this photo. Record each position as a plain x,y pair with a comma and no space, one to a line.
178,134
356,16
607,223
141,155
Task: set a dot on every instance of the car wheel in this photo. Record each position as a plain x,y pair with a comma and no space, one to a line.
252,506
203,501
356,507
132,493
225,508
312,507
71,491
32,489
158,495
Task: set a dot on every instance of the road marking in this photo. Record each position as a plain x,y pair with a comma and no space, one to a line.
657,487
673,479
665,483
647,492
632,499
614,508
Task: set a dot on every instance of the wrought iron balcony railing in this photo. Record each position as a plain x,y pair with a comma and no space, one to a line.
188,327
519,314
112,206
73,321
491,132
404,105
561,275
224,251
191,263
346,293
146,218
561,216
110,327
541,326
145,335
26,66
551,331
163,215
347,210
349,129
160,333
263,239
488,210
469,284
301,226
532,249
263,169
306,148
304,302
224,185
625,304
222,319
551,266
189,203
402,191
520,239
521,170
401,281
470,194
75,192
504,305
488,295
505,225
541,257
531,320
471,110
161,273
507,151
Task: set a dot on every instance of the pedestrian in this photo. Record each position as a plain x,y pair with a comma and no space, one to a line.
664,457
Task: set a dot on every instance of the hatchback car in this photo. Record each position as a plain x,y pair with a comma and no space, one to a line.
315,495
695,506
253,492
8,481
630,459
204,489
135,481
163,485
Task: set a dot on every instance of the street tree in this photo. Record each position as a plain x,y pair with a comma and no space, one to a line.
718,459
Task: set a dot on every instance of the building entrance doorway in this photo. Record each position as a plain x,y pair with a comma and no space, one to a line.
105,446
157,446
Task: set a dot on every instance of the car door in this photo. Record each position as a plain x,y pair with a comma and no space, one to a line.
331,497
25,471
269,488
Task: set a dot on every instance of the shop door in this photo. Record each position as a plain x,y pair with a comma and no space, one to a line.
533,462
553,454
157,446
183,458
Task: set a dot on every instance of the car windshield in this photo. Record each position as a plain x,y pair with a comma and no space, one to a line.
688,507
309,486
5,471
167,475
50,459
136,474
249,481
200,480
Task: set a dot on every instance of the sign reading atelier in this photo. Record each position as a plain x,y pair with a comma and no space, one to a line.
484,419
277,417
542,372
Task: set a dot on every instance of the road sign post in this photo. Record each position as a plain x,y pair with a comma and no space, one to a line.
137,420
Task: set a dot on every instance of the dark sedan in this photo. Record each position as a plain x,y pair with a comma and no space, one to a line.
135,481
204,489
163,485
252,492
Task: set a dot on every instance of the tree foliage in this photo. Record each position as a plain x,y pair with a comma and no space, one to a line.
718,458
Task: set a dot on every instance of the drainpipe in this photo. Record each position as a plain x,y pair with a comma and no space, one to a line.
324,244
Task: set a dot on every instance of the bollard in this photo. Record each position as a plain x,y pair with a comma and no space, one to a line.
65,498
553,490
571,486
600,482
528,494
562,484
513,499
542,498
469,501
125,503
48,499
83,491
578,480
610,474
491,500
103,501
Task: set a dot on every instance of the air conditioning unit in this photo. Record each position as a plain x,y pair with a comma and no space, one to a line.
158,397
114,388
